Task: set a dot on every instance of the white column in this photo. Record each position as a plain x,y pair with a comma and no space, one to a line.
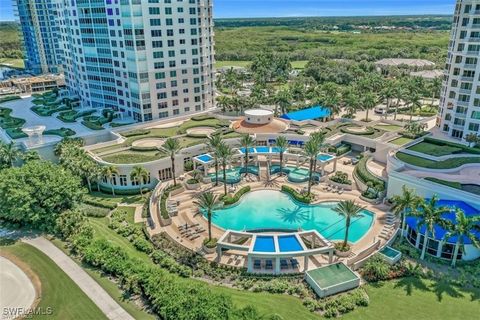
330,256
305,263
249,264
277,265
335,165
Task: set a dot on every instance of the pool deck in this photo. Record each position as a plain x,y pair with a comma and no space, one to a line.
188,214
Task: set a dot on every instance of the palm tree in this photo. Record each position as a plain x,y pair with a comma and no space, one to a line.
213,142
247,142
172,146
282,145
225,154
208,202
311,150
350,101
369,102
387,94
319,139
415,103
429,214
462,229
223,102
283,99
348,209
139,175
405,203
9,153
109,172
435,87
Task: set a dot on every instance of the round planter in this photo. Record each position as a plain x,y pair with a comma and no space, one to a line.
194,186
343,254
347,187
209,250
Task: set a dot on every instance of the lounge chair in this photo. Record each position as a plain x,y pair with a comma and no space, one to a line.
294,263
269,265
334,189
329,188
257,264
340,191
283,264
194,237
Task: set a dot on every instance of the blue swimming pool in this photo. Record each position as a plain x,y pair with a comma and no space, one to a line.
270,209
234,174
325,157
264,244
205,158
289,243
296,175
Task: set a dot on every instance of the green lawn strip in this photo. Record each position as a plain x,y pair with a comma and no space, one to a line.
413,298
430,164
434,149
7,121
128,156
451,184
108,200
387,127
130,213
287,306
110,287
12,63
221,64
401,141
59,292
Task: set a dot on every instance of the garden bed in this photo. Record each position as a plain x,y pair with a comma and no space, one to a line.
430,164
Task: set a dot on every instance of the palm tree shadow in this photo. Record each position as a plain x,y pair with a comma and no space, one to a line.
473,292
442,287
271,183
411,283
295,215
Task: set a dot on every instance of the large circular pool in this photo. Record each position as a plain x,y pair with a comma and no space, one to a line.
269,209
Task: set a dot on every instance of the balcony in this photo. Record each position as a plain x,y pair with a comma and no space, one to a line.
463,103
464,78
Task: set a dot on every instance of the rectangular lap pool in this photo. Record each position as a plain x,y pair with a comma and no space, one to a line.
289,244
264,244
332,279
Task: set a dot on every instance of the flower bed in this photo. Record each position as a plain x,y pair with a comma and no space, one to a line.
304,198
164,198
228,200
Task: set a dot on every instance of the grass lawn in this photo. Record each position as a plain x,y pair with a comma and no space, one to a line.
110,200
13,63
451,184
434,149
58,291
388,127
401,141
426,163
130,156
412,298
220,64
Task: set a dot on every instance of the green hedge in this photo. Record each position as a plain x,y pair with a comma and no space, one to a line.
16,133
62,132
451,184
452,144
368,132
163,200
143,149
92,125
366,177
202,117
9,98
7,121
342,149
123,192
304,198
134,133
228,200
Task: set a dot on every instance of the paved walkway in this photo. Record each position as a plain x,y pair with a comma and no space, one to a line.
91,288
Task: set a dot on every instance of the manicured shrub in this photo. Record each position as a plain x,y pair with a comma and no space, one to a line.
228,200
366,177
202,117
376,269
341,177
134,133
305,198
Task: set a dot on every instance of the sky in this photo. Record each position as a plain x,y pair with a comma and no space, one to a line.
299,8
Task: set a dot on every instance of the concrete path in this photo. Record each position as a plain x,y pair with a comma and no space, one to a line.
91,288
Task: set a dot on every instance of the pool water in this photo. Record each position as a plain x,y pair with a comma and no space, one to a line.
234,174
264,244
205,158
389,252
296,175
289,244
324,157
269,209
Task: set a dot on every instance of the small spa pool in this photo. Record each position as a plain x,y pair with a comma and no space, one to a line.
390,255
325,157
289,244
264,244
205,158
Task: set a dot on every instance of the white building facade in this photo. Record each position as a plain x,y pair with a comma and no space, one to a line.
459,112
146,59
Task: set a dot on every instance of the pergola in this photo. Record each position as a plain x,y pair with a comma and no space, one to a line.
317,244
